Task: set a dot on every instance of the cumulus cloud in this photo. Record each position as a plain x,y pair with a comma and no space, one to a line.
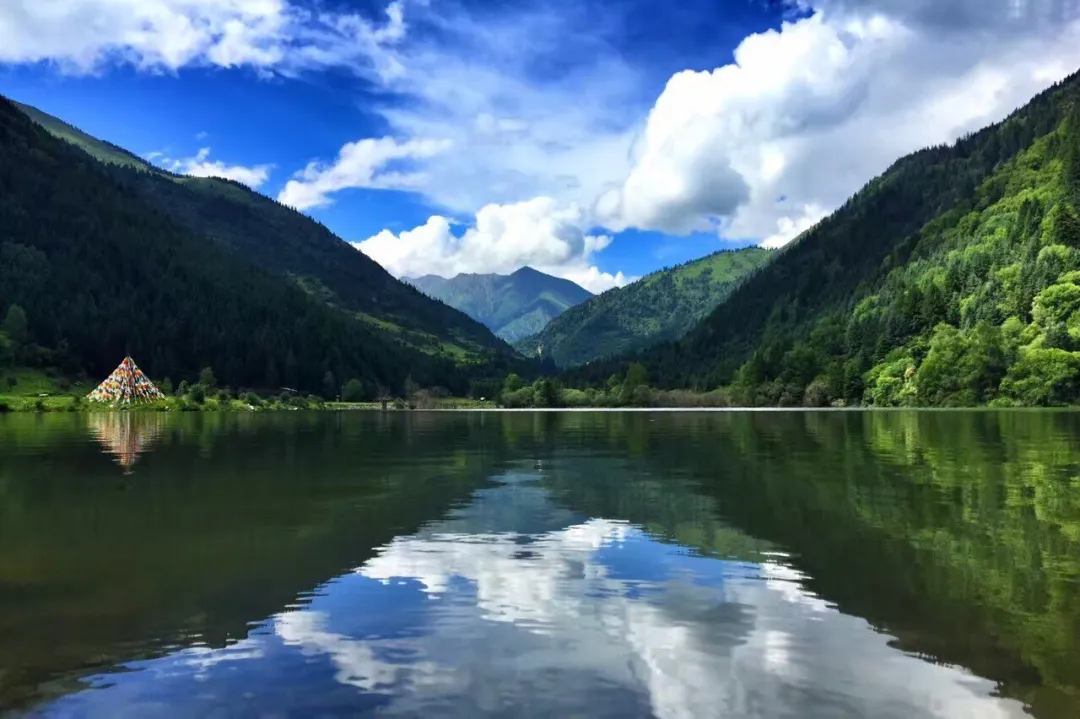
999,16
83,36
540,233
813,111
366,163
200,165
810,111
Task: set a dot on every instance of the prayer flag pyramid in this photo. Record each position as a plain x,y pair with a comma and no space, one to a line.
125,385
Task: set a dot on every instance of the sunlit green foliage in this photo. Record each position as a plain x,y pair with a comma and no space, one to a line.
950,280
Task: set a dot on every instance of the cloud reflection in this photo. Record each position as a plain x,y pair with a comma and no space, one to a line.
689,637
577,616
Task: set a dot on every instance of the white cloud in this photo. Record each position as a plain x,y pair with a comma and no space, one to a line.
540,233
811,111
364,163
815,110
275,36
471,82
788,228
202,166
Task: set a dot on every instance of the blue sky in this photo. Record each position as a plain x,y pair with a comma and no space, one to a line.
594,140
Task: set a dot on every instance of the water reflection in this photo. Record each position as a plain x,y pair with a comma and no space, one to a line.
735,564
579,616
126,435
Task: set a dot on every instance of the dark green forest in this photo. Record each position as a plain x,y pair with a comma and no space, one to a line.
660,307
952,279
90,272
289,244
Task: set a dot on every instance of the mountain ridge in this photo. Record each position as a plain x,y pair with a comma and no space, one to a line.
947,280
512,306
660,306
101,273
290,244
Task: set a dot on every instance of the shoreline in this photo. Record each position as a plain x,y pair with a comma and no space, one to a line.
365,407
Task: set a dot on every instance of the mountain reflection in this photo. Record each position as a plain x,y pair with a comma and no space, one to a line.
726,564
470,616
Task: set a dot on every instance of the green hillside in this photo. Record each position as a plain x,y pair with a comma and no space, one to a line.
662,306
513,306
290,244
98,149
952,279
96,273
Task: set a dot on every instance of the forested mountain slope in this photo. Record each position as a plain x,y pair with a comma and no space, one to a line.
949,280
100,274
512,306
662,306
288,243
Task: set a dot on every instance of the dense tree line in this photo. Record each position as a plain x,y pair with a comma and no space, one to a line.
287,243
99,274
290,244
949,280
660,307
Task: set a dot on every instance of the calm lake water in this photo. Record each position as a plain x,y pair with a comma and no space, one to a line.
736,564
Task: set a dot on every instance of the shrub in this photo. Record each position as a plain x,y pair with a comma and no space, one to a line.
298,401
818,393
644,396
518,398
4,407
353,391
197,394
39,405
575,398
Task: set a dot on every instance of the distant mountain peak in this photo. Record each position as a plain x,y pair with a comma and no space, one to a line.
512,306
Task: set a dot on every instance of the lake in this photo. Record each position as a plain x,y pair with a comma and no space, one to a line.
484,564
